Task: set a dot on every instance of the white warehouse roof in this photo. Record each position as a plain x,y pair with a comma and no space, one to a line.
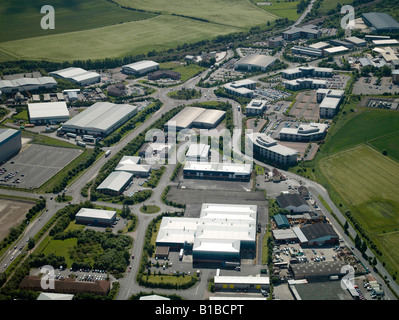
131,164
77,75
115,181
48,110
216,230
236,168
102,117
141,65
196,117
197,151
241,280
95,214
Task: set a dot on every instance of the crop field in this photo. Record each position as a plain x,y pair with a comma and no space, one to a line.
21,19
160,33
98,29
366,181
233,13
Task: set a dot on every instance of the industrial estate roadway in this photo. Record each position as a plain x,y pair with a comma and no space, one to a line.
128,283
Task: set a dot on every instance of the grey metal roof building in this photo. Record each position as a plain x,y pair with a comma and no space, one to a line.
116,182
319,233
77,75
318,271
133,166
100,119
140,67
253,62
293,202
27,84
380,22
10,143
208,119
195,117
184,118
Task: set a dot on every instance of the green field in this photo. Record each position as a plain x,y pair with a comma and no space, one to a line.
61,248
232,13
388,143
367,183
362,127
21,19
98,29
160,33
186,71
328,5
281,8
360,178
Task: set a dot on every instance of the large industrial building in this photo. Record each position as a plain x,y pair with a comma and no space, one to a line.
10,143
194,117
380,22
132,165
48,112
115,183
217,171
140,68
255,62
304,133
356,41
219,235
77,75
27,84
335,50
100,119
95,217
265,146
247,283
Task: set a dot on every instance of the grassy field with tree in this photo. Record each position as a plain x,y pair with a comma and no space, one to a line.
358,164
282,8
